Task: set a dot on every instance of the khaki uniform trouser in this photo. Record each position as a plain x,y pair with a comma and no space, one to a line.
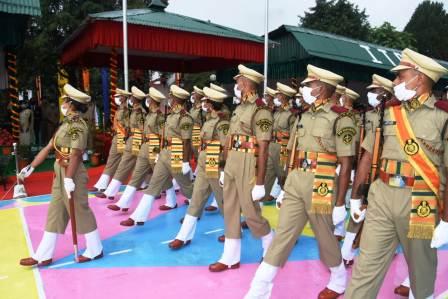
113,160
59,209
293,217
127,163
203,187
353,227
273,167
238,183
162,173
386,225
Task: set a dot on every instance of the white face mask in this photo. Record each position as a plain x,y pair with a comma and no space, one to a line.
341,101
298,102
402,93
264,101
372,98
307,97
130,102
277,102
64,110
192,99
170,102
237,92
117,100
147,103
236,101
204,108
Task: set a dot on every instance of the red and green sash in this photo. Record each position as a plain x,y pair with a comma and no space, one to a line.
425,191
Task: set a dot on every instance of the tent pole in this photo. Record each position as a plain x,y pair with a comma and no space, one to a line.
125,45
266,45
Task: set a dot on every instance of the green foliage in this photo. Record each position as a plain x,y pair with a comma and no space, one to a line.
338,17
388,36
429,25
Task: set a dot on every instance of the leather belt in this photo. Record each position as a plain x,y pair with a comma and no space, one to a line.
396,180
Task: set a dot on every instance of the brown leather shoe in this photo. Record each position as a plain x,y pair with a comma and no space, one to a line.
29,261
117,208
178,244
219,267
100,195
210,208
93,189
244,225
187,202
130,222
401,290
348,263
166,208
269,199
328,294
83,259
222,238
339,238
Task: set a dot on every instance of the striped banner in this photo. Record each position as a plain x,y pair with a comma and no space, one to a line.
153,141
213,151
196,136
177,154
137,140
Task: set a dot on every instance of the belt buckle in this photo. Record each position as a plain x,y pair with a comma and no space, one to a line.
397,181
237,144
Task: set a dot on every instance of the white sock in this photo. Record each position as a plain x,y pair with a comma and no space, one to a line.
188,228
141,212
266,241
127,197
214,202
339,230
170,199
85,156
93,244
232,252
144,185
347,251
113,188
261,285
276,189
46,247
102,183
406,282
175,185
338,279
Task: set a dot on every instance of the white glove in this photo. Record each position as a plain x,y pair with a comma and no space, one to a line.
157,158
26,172
440,235
69,186
339,214
185,168
355,210
279,200
221,179
258,192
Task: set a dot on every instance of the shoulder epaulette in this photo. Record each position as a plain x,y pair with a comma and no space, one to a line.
339,109
442,105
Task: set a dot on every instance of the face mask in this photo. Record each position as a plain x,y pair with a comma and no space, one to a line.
402,93
264,101
170,102
277,102
147,103
129,102
237,92
64,110
298,102
341,102
204,108
236,101
307,97
372,98
192,99
117,101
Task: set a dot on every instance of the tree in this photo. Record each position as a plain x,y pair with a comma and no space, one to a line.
388,36
429,25
338,17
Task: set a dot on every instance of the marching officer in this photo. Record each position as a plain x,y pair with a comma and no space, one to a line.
173,160
323,137
244,172
154,123
213,137
198,117
69,142
133,144
120,129
269,98
380,89
278,153
404,200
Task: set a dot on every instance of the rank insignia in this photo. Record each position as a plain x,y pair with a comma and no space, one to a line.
423,209
264,124
323,189
411,147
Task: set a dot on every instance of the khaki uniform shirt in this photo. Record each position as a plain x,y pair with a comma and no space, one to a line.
179,124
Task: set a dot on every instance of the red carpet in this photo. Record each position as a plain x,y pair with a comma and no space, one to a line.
39,183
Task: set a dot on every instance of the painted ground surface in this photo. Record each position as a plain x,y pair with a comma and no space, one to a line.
139,264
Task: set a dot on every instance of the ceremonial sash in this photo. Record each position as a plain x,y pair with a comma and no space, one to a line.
283,139
425,190
177,154
137,139
213,151
196,136
121,136
153,142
